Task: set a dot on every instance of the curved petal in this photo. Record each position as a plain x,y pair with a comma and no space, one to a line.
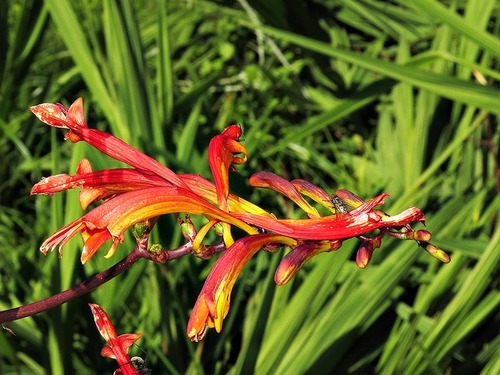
284,187
206,189
112,218
222,151
127,209
51,114
73,118
213,302
298,256
335,227
314,192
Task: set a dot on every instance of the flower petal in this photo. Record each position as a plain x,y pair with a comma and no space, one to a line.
51,114
221,155
314,192
298,256
284,187
335,227
102,321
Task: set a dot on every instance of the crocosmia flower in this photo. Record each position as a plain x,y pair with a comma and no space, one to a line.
147,189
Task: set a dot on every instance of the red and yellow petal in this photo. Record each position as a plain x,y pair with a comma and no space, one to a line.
117,346
213,302
284,187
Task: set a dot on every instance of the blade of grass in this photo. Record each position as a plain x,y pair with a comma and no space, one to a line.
448,87
447,326
460,24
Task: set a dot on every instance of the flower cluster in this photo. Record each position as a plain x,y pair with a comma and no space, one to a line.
148,189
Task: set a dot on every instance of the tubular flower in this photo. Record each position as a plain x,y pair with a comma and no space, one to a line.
335,227
117,346
213,302
72,118
99,184
222,152
314,192
148,190
284,187
111,219
292,262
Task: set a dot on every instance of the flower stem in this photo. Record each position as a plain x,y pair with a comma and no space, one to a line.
74,292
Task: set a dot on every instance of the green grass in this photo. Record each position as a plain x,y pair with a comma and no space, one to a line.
365,95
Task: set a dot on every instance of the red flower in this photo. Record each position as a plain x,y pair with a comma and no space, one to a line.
213,302
72,118
117,346
149,189
221,156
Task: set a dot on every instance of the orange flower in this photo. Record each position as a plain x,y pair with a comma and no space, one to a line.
221,156
213,302
111,219
149,189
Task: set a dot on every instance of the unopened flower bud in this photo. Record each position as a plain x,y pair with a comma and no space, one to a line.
437,253
295,259
204,252
364,254
422,235
139,230
187,229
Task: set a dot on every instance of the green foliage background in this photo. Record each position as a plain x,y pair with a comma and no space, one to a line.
365,95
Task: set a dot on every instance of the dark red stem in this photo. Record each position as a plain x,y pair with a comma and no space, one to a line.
79,290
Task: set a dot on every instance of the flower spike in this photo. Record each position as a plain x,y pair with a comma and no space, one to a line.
137,196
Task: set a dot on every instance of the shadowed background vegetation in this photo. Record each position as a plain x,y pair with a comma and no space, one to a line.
365,95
